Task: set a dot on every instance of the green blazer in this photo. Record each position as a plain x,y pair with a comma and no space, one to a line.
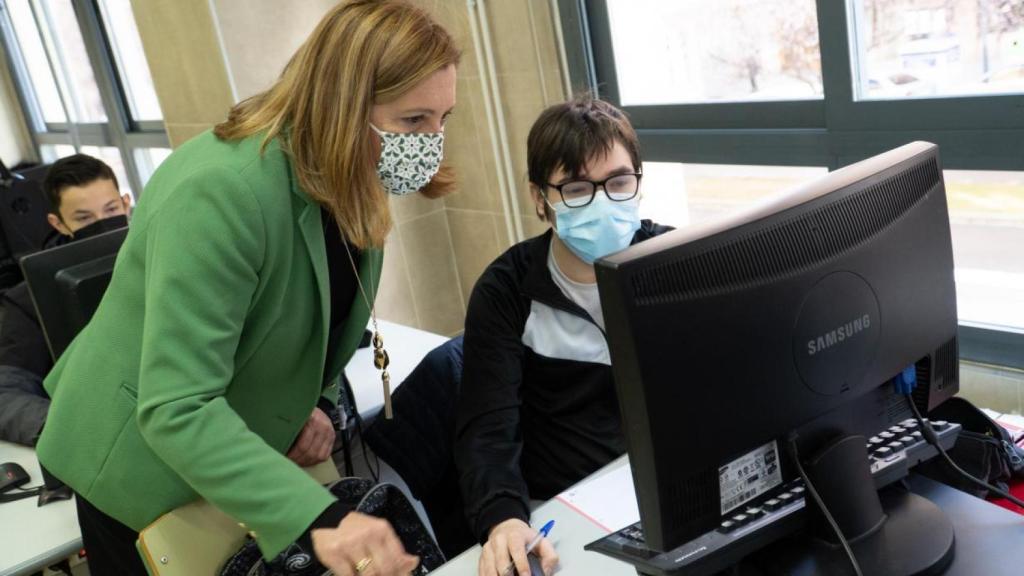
209,350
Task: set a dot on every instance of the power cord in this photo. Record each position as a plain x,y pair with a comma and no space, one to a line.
350,405
929,434
21,494
366,454
795,456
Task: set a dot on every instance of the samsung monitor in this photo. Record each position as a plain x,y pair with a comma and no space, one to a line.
23,225
785,322
68,282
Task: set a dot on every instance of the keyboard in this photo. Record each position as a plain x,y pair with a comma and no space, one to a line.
780,512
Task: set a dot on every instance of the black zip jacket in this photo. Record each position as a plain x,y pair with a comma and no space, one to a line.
24,362
531,423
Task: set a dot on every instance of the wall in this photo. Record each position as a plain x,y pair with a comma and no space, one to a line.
184,55
15,143
260,35
437,249
529,79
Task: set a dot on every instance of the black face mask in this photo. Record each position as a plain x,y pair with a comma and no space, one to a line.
100,226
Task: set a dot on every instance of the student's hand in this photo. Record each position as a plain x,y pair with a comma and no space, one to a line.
507,545
366,539
315,442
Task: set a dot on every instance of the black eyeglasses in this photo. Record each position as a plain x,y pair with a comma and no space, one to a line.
618,188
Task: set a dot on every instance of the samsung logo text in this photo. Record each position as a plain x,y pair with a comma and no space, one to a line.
833,337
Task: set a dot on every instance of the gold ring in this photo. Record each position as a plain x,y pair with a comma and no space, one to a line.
362,564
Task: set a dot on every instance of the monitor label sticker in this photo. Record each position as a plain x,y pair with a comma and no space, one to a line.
749,476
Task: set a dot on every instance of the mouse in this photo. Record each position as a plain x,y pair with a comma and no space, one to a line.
12,475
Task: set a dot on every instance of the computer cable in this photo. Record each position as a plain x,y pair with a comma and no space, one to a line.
21,494
366,453
794,454
350,396
929,434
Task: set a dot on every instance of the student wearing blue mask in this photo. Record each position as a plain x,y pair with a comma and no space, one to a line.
538,410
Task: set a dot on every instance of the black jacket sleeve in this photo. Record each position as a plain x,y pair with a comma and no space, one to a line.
22,343
24,362
23,405
488,440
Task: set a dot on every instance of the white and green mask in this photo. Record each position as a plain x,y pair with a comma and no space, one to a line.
408,161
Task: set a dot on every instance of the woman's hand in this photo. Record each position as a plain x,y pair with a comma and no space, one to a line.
507,545
315,442
364,542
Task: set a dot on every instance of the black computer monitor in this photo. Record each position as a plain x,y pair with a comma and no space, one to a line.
23,210
68,282
23,225
791,317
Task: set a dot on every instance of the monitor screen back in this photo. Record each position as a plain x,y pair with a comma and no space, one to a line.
67,283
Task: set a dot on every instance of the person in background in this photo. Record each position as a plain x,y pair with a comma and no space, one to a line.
242,290
537,410
84,201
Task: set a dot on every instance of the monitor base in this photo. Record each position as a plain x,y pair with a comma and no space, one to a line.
915,539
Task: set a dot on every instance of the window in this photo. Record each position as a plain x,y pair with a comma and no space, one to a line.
715,50
36,62
986,213
907,49
132,68
681,194
731,98
84,84
73,70
147,160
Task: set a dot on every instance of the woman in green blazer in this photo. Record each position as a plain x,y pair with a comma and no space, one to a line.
242,290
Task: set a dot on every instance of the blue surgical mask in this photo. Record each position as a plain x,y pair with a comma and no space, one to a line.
599,228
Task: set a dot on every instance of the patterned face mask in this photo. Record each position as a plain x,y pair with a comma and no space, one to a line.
408,161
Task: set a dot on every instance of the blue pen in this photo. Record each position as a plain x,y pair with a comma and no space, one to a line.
543,533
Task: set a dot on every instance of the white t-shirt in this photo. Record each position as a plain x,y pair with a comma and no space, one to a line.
583,294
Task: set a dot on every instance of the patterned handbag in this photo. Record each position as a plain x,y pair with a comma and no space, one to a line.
382,500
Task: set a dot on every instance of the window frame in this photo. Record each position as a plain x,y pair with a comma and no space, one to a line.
120,131
973,132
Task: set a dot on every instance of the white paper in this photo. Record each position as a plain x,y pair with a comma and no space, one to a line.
991,413
1013,424
608,501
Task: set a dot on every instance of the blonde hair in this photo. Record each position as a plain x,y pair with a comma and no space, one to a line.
363,52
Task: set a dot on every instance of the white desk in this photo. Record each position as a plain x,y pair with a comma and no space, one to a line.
406,346
33,537
571,532
987,536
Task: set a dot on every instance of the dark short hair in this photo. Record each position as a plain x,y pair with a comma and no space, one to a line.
75,170
569,134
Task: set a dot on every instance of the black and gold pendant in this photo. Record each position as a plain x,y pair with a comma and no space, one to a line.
381,361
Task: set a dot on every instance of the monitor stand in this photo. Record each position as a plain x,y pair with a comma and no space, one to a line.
897,534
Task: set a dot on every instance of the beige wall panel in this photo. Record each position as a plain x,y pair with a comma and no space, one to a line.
533,226
261,35
412,206
477,242
178,134
394,296
185,58
430,262
469,149
523,103
511,37
454,16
